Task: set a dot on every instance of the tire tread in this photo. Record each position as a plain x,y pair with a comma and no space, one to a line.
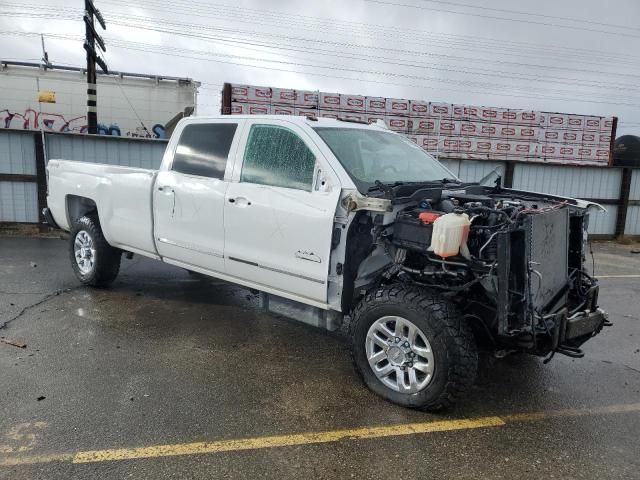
448,321
107,257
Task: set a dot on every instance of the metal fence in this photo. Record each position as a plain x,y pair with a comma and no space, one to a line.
632,223
142,153
18,187
601,185
24,154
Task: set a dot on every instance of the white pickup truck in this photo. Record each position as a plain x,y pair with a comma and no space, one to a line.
333,219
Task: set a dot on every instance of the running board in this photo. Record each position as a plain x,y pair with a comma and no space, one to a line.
316,317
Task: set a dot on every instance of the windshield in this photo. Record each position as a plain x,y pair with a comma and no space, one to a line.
370,155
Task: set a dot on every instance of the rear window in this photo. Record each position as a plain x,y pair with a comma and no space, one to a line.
203,149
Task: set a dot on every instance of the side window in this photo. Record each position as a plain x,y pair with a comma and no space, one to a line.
203,149
277,156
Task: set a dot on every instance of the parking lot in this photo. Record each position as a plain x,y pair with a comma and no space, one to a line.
168,374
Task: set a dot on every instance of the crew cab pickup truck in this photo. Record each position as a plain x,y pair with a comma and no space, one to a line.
345,220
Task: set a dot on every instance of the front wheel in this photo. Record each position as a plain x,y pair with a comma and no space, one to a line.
93,260
413,347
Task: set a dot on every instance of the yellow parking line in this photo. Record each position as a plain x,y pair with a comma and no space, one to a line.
309,438
618,276
283,440
571,412
32,459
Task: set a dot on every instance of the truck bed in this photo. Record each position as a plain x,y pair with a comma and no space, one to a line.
123,196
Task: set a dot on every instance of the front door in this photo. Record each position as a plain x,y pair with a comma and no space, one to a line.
189,196
279,211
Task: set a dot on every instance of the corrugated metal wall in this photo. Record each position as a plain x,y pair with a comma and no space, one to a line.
18,200
128,152
632,225
473,170
17,153
634,191
583,182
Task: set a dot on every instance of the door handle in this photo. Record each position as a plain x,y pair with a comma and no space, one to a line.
240,201
168,190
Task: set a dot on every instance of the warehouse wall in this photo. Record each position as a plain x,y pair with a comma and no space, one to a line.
124,101
19,175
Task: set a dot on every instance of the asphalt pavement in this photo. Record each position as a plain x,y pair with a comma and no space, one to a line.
167,375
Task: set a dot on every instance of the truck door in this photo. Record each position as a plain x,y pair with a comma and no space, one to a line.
189,195
279,211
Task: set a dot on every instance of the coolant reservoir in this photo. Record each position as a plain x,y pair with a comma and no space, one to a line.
450,232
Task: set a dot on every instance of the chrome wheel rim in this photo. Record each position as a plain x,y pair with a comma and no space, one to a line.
399,354
85,252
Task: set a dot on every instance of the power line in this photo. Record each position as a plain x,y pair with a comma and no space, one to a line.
184,26
343,69
382,73
493,17
502,74
532,14
150,47
330,21
422,86
529,95
448,57
513,75
371,30
167,50
450,41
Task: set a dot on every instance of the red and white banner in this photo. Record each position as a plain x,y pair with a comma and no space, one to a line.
449,130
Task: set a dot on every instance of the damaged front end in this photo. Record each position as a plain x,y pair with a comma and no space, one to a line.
518,274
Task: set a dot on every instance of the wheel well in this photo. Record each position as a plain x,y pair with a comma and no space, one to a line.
359,245
78,207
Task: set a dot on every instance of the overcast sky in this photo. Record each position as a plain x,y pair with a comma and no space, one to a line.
575,56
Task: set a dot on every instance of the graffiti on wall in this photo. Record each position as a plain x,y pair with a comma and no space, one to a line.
55,122
32,120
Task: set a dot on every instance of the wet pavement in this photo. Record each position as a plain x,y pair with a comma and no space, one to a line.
165,358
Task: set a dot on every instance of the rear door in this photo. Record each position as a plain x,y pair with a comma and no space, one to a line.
279,210
189,195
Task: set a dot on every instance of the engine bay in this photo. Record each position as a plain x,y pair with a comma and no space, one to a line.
513,261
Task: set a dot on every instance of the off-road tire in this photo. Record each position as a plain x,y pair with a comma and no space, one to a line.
107,258
451,339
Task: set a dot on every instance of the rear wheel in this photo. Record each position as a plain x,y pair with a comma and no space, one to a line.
93,260
413,347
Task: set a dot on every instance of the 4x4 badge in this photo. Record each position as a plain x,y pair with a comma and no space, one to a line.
304,255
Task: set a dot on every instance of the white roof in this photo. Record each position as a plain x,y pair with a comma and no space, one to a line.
298,119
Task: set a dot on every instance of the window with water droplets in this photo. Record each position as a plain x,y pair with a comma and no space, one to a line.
277,156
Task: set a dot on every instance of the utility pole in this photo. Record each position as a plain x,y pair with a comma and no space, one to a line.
92,38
